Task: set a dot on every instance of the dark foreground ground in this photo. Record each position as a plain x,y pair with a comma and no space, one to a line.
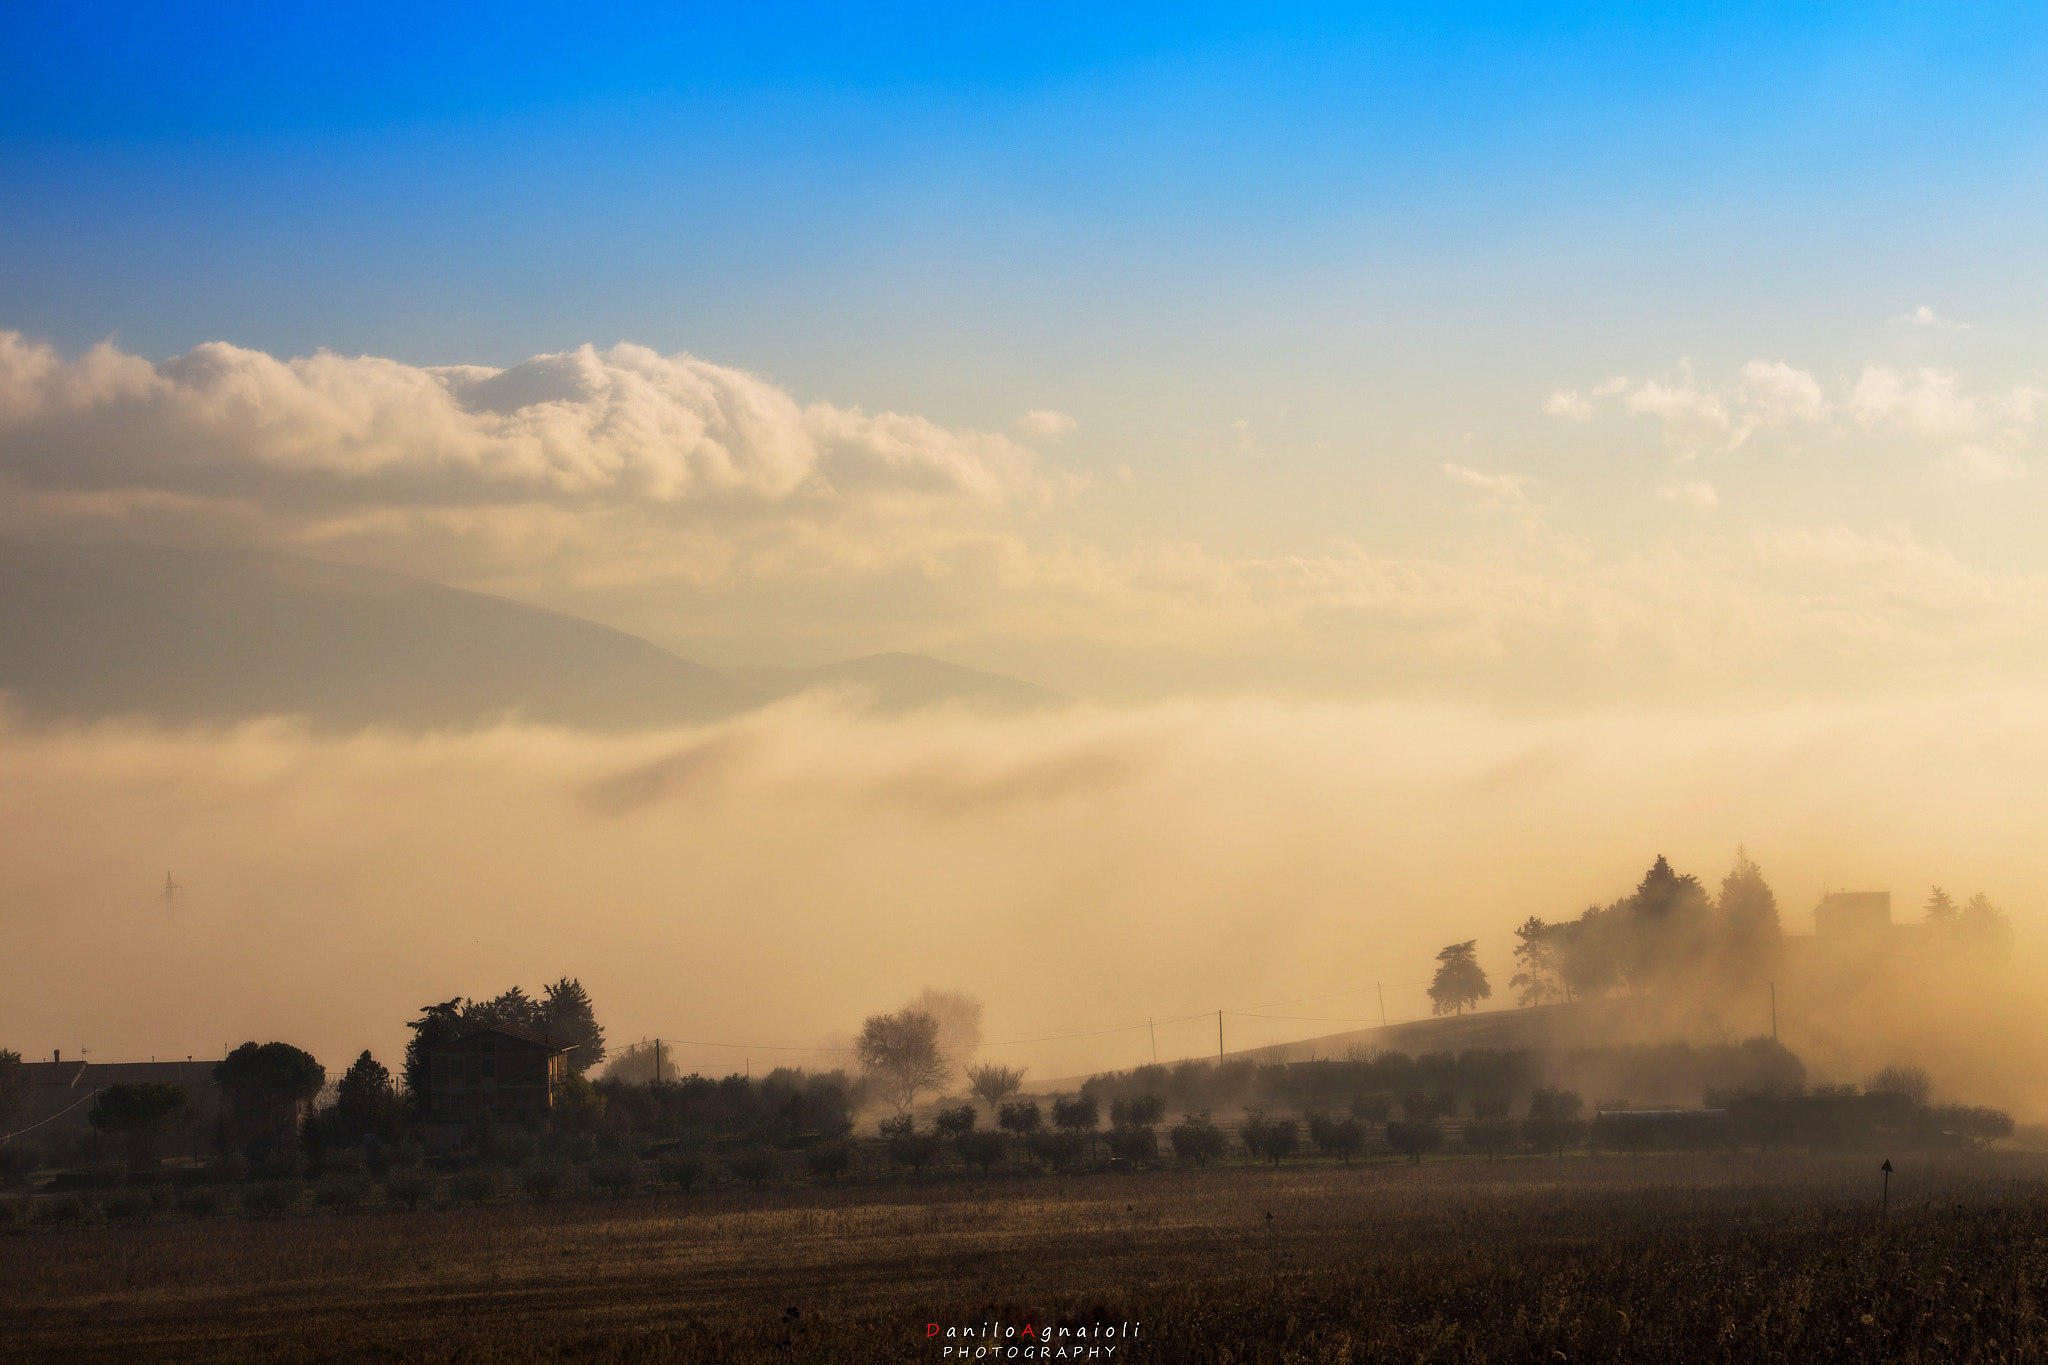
1670,1258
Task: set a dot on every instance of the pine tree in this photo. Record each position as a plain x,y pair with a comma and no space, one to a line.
566,1012
1460,981
1940,908
436,1025
363,1098
1751,936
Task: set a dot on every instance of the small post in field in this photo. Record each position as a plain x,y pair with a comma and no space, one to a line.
1884,1208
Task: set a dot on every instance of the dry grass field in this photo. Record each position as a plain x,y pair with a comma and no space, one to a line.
1667,1258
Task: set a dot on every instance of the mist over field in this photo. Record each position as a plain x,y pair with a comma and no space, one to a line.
769,880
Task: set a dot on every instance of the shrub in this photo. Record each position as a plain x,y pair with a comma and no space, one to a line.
1489,1136
1270,1139
907,1146
1197,1139
474,1185
199,1203
405,1156
834,1159
340,1192
10,1212
18,1164
227,1168
63,1210
1057,1150
757,1166
687,1171
1414,1137
1343,1138
407,1185
617,1174
541,1181
271,1198
980,1149
341,1161
1132,1143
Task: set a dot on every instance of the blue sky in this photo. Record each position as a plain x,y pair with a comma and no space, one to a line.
1283,270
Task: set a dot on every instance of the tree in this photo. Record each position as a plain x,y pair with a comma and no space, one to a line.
1910,1081
268,1084
514,1007
1141,1111
1537,949
1941,908
1985,928
364,1101
436,1025
1459,981
954,1124
566,1012
993,1084
907,1146
1077,1116
1023,1119
1197,1139
1413,1137
1270,1139
959,1016
980,1149
1751,937
901,1052
1553,1122
1343,1138
141,1112
1372,1109
17,1088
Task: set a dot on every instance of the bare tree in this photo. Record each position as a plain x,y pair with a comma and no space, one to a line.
992,1084
959,1016
901,1052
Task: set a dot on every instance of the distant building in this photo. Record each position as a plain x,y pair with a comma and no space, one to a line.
1843,915
506,1073
64,1094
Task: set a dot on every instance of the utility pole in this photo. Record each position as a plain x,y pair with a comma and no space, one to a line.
1774,1011
1382,990
657,1059
1219,1040
1155,1039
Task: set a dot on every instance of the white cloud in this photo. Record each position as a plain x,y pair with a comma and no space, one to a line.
1505,490
1568,404
1925,316
1045,422
579,428
1693,418
1981,464
1778,393
1695,494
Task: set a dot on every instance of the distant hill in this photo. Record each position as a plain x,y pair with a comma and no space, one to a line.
92,631
900,682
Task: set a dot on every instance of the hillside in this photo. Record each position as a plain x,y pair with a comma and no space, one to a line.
182,636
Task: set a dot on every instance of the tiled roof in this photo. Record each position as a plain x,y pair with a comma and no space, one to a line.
75,1074
524,1035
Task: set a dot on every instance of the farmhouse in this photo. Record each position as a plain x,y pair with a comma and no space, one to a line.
64,1093
505,1073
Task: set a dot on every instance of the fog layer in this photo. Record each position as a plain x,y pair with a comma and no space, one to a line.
765,882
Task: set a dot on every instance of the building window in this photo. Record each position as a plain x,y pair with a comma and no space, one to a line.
490,1045
455,1100
490,1067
